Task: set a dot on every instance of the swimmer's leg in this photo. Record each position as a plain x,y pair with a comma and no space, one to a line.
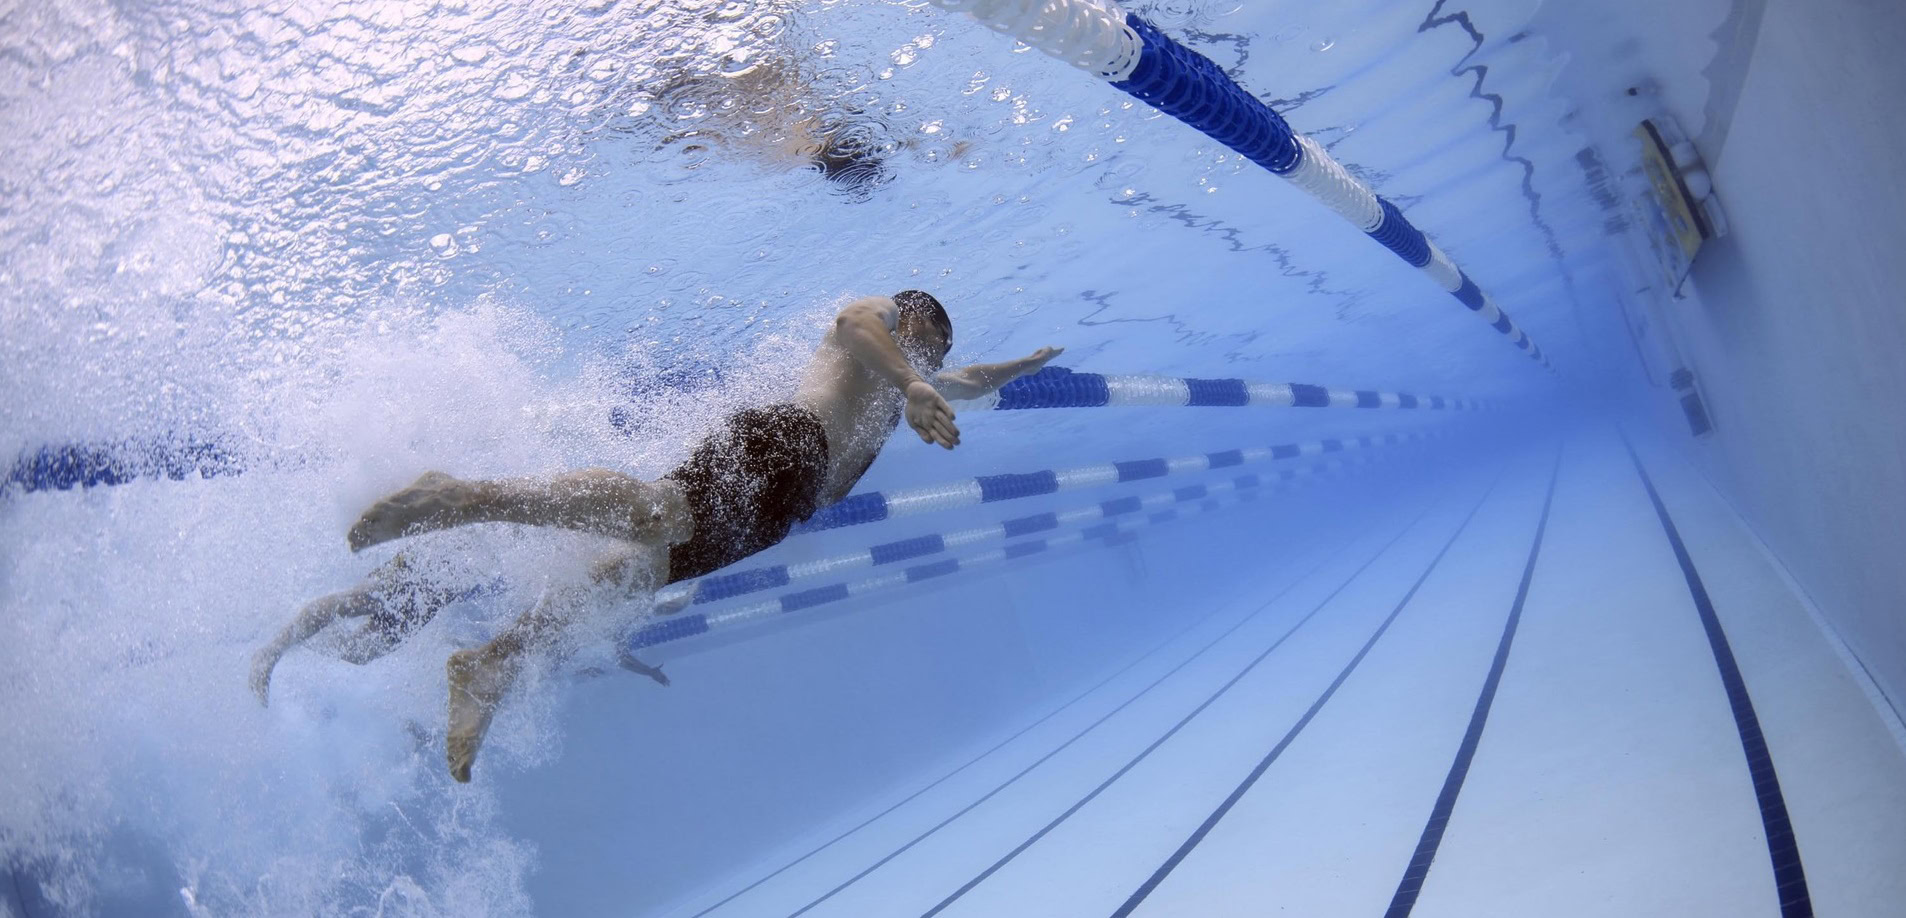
393,602
401,610
600,501
358,602
479,677
315,617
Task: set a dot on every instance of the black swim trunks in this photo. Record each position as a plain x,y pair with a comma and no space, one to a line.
747,485
404,596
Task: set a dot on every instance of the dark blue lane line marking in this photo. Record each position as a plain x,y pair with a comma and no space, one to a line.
1413,876
1088,798
1025,730
1790,880
1267,604
1177,857
1871,679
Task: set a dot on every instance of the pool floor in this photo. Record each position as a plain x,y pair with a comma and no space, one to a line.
1288,754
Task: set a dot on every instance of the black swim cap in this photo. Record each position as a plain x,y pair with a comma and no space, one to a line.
921,304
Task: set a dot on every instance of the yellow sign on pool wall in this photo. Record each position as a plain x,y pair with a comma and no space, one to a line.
1682,210
1670,212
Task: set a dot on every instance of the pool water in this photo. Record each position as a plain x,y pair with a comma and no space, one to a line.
261,264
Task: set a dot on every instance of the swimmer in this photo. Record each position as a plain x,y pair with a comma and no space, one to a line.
768,112
741,491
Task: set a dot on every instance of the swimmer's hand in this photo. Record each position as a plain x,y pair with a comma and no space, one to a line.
630,663
929,415
1037,361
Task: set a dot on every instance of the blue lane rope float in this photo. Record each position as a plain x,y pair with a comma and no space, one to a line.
1058,387
725,586
875,506
1101,519
1117,530
1136,57
87,465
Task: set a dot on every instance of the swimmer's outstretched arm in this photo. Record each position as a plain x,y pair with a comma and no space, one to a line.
663,606
627,661
982,378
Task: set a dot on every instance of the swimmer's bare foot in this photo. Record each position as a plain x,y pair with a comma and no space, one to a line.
433,501
262,664
478,679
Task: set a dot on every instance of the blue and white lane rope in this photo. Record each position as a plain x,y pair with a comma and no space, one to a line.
875,506
1133,55
1058,387
83,465
720,587
51,468
1163,508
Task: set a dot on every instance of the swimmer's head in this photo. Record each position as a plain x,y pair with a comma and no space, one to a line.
857,171
851,151
925,331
